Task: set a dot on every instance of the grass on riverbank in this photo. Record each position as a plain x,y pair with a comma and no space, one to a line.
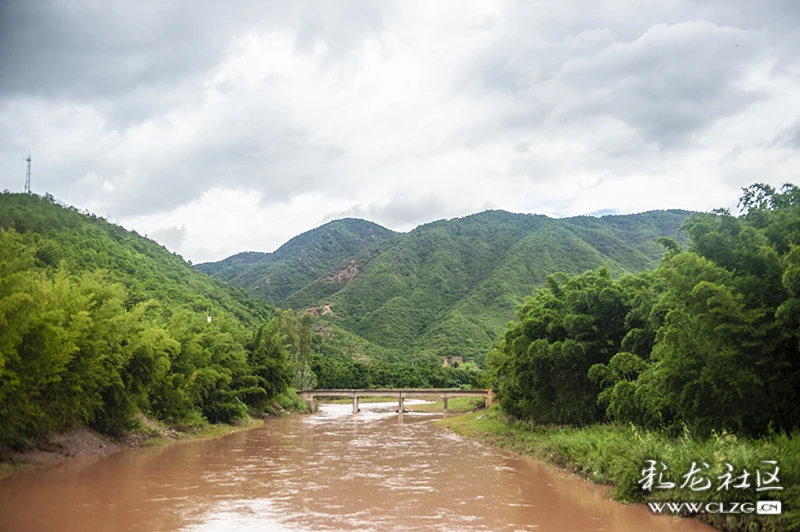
204,433
615,456
290,403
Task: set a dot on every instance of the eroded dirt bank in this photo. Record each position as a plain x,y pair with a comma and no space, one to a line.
82,442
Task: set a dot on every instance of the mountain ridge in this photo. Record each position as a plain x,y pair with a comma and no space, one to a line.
448,287
299,260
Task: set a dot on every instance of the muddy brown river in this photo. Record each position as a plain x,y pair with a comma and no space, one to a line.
327,471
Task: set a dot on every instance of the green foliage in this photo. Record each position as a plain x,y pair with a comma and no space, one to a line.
97,323
446,288
291,402
86,243
338,371
564,330
708,340
269,362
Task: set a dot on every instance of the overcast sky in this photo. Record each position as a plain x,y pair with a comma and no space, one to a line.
218,127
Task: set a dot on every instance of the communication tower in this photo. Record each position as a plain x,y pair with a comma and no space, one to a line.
28,176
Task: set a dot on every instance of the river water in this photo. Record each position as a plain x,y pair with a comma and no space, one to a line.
327,471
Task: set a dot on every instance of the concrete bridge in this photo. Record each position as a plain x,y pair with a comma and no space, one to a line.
310,396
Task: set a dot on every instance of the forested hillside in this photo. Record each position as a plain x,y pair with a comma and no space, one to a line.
447,288
148,270
98,323
275,276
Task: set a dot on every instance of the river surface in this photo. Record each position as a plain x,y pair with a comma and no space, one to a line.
329,471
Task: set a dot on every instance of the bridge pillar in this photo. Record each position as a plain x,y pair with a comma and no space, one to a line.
400,405
355,404
489,398
444,402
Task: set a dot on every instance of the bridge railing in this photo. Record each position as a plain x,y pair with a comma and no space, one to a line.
310,396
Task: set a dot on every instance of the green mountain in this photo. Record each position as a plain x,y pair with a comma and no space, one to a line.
446,288
86,243
300,261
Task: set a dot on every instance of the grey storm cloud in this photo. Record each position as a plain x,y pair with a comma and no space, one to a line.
84,50
130,59
88,48
667,83
670,82
398,111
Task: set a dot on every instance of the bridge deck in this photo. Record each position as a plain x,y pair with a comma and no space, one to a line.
390,392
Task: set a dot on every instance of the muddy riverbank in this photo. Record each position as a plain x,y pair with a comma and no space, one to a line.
85,442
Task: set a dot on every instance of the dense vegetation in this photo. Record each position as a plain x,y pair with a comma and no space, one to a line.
687,355
98,324
708,340
447,288
336,370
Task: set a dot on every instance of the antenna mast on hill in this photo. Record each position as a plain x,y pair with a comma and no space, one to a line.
28,176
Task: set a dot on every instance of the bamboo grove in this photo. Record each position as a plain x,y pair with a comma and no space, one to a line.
707,341
98,324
